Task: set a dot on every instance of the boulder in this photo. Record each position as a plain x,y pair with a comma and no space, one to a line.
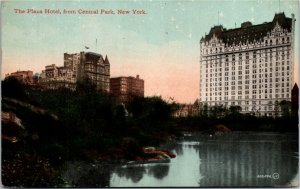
220,128
169,153
12,128
158,155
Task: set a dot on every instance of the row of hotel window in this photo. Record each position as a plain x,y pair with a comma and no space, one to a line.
265,91
214,63
270,96
240,81
248,107
94,69
247,66
245,56
246,102
254,108
50,75
268,42
240,73
98,77
240,87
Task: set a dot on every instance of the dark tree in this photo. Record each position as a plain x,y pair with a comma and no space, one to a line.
12,87
285,107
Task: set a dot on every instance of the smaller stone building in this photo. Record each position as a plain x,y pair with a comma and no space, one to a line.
23,76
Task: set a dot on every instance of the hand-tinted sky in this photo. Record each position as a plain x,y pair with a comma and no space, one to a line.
161,46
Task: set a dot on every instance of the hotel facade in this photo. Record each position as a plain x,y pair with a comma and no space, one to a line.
251,66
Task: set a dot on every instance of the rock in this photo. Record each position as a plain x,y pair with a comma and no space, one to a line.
158,155
221,128
32,108
11,118
162,155
148,149
169,153
12,128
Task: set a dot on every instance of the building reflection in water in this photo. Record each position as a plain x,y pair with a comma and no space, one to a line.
248,161
232,160
182,171
159,171
139,174
134,173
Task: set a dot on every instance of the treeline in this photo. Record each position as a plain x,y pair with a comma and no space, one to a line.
83,124
285,120
88,119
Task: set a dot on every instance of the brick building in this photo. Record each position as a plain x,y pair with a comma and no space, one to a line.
125,88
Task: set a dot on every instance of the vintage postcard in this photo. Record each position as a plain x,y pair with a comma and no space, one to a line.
149,93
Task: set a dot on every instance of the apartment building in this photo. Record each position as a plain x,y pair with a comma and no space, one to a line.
125,88
77,67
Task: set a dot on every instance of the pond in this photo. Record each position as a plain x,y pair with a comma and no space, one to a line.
237,159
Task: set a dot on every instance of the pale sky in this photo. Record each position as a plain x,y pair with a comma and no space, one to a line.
161,46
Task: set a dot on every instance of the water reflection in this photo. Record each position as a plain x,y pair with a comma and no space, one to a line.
135,173
159,171
248,161
181,171
83,174
236,159
139,174
175,147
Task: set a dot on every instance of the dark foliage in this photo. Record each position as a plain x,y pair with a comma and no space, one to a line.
237,121
12,87
85,124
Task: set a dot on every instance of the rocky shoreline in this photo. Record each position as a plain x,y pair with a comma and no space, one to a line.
153,155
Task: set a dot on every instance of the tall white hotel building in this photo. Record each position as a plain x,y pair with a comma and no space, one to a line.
251,66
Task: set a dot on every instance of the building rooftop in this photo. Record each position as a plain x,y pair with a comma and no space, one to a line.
106,61
93,53
247,31
93,56
132,77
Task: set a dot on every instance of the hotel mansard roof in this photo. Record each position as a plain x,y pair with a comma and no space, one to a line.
247,31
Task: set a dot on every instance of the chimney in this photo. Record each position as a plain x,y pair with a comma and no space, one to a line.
246,24
138,76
